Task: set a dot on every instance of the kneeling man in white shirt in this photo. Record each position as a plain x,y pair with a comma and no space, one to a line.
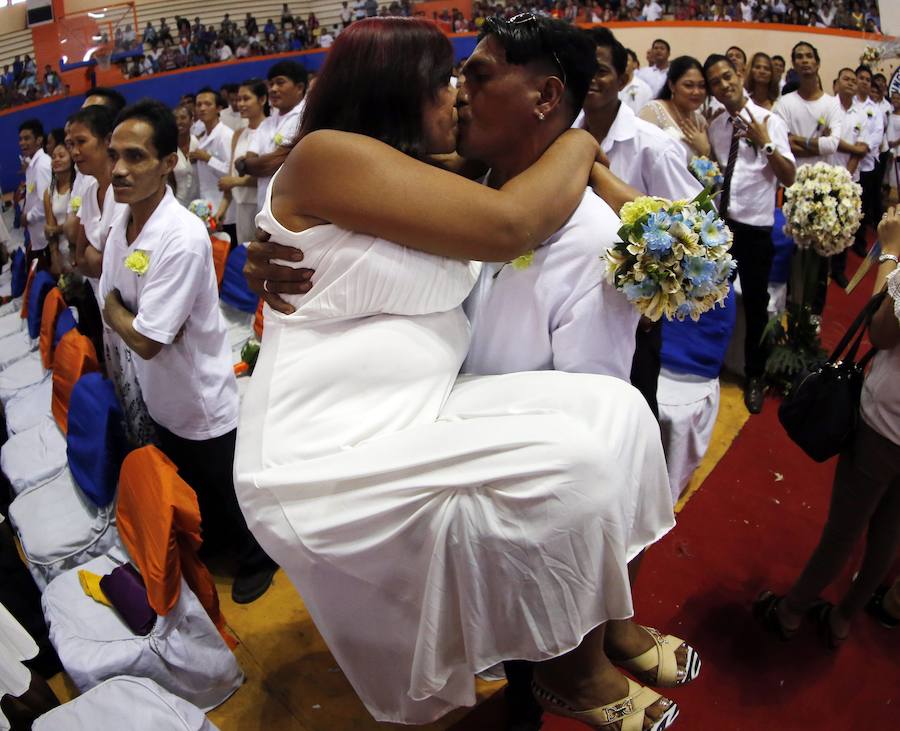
159,294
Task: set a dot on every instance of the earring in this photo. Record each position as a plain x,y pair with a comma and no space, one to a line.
540,116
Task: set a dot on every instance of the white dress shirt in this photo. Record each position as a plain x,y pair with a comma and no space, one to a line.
232,119
185,179
654,77
874,132
96,217
854,129
278,129
636,93
37,180
648,159
79,185
803,117
189,387
559,313
217,143
753,183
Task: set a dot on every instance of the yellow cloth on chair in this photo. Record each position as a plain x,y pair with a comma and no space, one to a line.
90,584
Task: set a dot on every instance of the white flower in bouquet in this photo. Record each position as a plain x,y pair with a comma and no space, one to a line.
673,258
204,210
822,209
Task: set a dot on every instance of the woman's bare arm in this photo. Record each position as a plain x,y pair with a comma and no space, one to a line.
363,185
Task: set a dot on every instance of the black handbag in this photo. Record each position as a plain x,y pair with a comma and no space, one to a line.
821,411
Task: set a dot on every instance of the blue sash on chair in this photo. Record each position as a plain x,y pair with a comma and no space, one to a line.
64,323
42,283
235,291
19,271
96,443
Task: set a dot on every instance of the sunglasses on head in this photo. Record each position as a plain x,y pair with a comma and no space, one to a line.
529,19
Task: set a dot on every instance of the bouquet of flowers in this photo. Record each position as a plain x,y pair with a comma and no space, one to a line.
707,172
822,209
871,55
204,210
673,258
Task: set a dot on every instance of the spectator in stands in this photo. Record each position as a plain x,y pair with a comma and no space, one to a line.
761,83
269,29
250,26
149,37
170,58
168,314
223,51
346,14
651,11
656,73
676,110
752,175
164,32
287,20
865,498
38,173
371,8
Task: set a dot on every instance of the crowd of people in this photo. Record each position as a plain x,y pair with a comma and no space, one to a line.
498,517
180,43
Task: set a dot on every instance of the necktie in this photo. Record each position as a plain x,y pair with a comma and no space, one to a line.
729,170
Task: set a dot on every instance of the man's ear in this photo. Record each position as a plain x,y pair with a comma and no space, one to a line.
169,162
552,91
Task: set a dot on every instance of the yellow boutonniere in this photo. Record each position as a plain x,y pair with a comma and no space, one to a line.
870,113
31,187
75,204
524,261
279,138
138,261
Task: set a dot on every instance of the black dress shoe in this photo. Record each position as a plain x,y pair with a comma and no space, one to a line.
840,279
754,392
250,584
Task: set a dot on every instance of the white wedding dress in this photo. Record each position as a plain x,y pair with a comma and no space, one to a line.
435,526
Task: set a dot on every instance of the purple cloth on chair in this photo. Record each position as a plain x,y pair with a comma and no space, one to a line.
125,588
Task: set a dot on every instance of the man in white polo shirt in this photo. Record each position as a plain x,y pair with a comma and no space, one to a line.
37,180
751,145
276,135
212,156
635,93
657,73
159,294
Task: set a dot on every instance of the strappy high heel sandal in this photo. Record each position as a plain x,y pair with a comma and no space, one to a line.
662,657
630,710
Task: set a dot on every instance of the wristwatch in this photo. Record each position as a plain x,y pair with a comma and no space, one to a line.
889,257
769,149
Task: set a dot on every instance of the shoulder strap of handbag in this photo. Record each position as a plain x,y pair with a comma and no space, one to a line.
859,324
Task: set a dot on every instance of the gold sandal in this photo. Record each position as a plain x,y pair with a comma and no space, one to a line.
630,710
662,657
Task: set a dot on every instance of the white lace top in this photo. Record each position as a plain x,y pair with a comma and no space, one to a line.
656,113
880,403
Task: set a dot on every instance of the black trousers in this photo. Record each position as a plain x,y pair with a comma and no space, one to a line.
870,183
754,251
647,361
207,467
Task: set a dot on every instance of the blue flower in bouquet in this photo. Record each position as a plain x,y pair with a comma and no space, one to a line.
656,236
706,171
639,290
712,229
698,270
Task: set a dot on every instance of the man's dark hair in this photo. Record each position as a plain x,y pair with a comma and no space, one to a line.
678,68
220,102
808,45
192,97
664,42
160,118
296,72
361,87
737,48
604,38
879,77
98,118
113,99
633,56
779,57
229,88
840,71
714,58
35,126
863,67
58,134
559,46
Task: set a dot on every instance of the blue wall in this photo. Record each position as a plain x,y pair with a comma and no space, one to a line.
168,88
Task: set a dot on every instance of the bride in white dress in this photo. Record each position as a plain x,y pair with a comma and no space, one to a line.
434,525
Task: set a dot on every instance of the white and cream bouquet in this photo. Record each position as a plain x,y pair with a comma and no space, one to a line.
822,209
204,210
673,258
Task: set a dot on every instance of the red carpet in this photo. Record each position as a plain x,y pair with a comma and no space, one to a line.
752,525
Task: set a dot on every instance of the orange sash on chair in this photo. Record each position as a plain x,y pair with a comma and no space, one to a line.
258,321
54,305
158,518
23,312
74,356
220,250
